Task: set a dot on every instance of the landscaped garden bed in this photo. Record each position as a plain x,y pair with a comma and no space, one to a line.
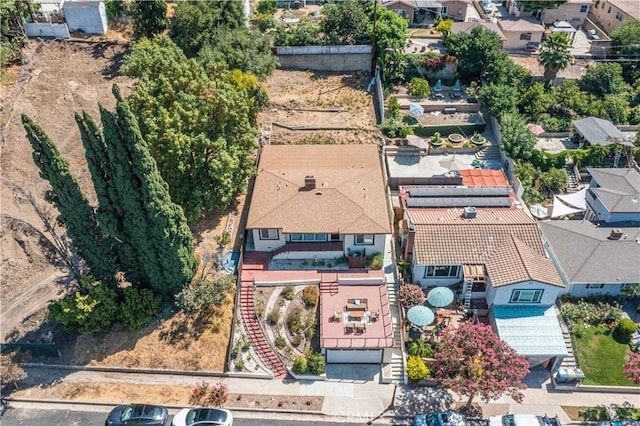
600,341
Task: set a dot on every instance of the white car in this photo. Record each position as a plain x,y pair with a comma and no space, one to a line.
523,420
202,417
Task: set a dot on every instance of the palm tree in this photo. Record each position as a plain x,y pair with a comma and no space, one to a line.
555,54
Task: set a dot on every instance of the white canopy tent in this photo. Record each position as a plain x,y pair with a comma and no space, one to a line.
577,199
560,209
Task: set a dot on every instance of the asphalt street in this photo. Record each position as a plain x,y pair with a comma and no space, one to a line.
31,417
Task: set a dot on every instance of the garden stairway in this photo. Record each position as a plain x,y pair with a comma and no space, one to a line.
489,153
256,336
393,371
572,180
569,361
329,284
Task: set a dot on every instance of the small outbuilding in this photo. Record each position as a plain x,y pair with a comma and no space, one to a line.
597,131
88,16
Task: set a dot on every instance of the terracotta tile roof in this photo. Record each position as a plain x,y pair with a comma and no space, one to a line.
516,262
349,196
482,177
445,237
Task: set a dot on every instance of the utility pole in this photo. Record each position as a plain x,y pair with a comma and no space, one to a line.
373,38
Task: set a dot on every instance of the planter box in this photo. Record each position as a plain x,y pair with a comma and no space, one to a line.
457,150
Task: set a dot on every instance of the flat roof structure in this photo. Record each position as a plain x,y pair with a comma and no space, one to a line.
530,330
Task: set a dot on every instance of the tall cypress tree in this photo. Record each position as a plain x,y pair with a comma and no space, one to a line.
166,245
75,211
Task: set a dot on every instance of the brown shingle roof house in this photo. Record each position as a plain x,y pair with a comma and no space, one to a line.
319,193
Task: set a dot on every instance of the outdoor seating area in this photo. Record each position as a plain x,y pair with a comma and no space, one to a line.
355,316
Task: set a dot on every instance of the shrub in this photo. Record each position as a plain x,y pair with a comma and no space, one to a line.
296,340
405,131
315,362
137,307
393,106
411,295
418,87
92,309
310,295
375,261
239,365
280,342
204,293
626,327
416,369
293,320
591,313
420,348
274,316
299,365
217,395
288,292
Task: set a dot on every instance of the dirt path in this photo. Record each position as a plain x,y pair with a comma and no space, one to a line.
25,304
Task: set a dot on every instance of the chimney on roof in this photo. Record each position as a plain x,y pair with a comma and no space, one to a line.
309,182
616,234
469,212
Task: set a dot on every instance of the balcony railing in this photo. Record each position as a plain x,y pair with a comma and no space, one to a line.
310,247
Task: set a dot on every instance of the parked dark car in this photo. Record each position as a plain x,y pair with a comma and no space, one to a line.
137,414
440,418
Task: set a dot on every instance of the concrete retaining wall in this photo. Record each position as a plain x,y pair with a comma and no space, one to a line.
325,58
47,29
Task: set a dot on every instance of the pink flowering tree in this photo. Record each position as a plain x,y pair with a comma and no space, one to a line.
411,295
471,360
631,368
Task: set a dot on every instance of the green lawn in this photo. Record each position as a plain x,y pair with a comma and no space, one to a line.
601,357
599,413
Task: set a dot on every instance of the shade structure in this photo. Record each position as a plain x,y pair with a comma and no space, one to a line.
440,296
416,109
452,163
456,86
539,211
536,129
421,315
438,86
560,209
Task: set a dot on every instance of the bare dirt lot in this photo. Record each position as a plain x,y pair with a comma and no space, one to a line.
318,107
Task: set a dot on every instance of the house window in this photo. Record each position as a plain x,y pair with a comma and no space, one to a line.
584,8
609,11
619,16
459,11
601,285
335,237
525,36
443,11
268,234
526,296
627,286
309,237
440,271
364,239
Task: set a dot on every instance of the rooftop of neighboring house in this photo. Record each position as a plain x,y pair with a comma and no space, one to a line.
507,241
466,27
617,189
592,253
520,25
320,189
630,7
599,131
483,177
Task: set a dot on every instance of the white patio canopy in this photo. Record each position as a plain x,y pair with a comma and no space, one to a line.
560,209
577,199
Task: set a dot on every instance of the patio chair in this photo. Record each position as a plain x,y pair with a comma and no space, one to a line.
375,316
337,316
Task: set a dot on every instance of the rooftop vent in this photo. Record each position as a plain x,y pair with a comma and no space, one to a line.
469,212
616,234
309,182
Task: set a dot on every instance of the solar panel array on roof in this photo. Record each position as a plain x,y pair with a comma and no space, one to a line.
459,202
459,191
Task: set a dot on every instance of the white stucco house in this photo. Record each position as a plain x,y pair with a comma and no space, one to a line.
323,201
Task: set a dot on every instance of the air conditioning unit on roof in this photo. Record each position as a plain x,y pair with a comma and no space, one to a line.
469,212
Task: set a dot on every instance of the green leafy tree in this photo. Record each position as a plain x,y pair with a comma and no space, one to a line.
242,49
554,179
539,5
444,26
474,49
75,212
569,96
316,363
625,43
200,131
502,70
137,307
555,54
149,17
92,309
345,22
418,87
391,30
604,79
617,108
499,98
197,23
393,107
12,32
535,100
306,33
267,6
517,141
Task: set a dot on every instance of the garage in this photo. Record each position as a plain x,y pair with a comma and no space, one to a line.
350,356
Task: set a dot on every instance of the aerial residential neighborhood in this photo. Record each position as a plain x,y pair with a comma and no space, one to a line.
320,212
